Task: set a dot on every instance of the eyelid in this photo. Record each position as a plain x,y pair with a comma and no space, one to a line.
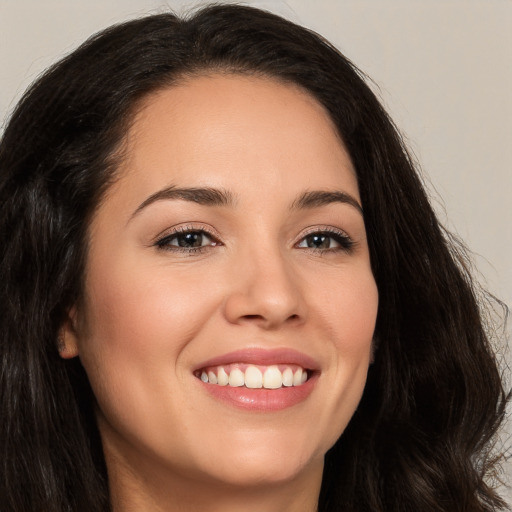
185,228
346,244
350,243
322,229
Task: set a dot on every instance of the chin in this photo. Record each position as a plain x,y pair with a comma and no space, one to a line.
265,460
244,472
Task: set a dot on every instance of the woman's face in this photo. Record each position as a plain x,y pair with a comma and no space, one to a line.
232,249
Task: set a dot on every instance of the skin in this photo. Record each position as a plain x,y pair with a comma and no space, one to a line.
151,314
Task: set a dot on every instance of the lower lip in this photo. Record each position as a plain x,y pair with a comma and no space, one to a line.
263,400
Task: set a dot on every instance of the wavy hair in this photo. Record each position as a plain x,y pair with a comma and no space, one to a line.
421,437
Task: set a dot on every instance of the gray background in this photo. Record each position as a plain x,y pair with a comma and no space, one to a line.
443,68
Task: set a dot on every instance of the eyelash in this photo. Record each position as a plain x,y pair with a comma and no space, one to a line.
163,243
346,244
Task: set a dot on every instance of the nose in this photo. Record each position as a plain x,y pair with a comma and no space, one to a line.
265,291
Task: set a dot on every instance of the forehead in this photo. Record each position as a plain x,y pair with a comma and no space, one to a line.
224,129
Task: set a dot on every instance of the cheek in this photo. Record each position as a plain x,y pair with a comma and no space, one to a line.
138,321
349,310
349,313
138,308
354,316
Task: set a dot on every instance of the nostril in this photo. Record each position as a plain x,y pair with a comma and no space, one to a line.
253,317
292,318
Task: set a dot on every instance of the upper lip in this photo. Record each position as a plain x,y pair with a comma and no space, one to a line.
263,357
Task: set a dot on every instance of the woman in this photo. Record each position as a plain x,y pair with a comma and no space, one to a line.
224,287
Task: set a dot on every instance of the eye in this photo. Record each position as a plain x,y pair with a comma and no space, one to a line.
326,240
187,240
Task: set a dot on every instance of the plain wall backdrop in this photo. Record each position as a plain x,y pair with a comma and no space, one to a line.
443,68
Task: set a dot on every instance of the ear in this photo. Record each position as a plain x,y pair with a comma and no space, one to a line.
67,340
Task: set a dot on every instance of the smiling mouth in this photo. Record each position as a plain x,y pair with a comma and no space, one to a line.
254,376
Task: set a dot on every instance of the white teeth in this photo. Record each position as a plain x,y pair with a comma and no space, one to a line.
272,378
288,377
222,377
297,377
236,378
253,378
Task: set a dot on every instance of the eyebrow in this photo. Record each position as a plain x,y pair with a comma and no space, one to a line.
208,196
204,195
317,198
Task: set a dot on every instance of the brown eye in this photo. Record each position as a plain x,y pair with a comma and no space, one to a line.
193,239
318,241
326,240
